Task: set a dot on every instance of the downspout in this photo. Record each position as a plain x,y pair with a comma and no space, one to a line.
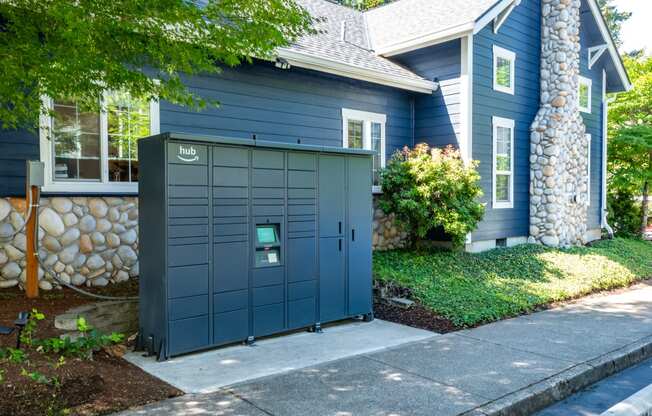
605,115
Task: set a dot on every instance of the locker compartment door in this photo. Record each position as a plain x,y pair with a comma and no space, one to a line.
359,235
331,195
332,279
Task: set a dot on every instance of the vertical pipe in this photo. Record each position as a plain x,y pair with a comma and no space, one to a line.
31,282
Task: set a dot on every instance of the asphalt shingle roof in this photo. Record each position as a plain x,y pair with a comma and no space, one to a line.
352,47
404,20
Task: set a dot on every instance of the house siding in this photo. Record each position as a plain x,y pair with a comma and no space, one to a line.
287,106
437,116
16,146
276,105
521,34
593,120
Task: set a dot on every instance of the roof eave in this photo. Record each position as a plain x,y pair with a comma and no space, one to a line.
333,67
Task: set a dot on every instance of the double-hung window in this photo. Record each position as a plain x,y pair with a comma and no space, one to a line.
86,151
503,163
364,130
584,94
504,65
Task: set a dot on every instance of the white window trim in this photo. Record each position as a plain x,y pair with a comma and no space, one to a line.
585,81
505,123
367,118
511,56
104,186
588,170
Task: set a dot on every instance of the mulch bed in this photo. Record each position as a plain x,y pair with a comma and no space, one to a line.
415,316
104,385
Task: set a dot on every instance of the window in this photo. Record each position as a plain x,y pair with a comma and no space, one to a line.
588,170
364,130
85,151
504,62
584,94
503,163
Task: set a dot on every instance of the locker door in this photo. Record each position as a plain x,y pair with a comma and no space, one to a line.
331,195
332,279
359,235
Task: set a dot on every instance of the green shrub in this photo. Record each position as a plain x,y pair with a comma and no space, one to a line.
428,188
624,212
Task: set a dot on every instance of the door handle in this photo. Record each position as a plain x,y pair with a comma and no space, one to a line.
339,226
353,234
340,244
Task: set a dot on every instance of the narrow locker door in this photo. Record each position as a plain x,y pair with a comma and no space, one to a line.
359,234
332,188
332,279
332,208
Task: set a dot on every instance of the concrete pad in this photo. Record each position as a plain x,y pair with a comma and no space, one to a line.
216,404
478,367
209,371
639,404
355,386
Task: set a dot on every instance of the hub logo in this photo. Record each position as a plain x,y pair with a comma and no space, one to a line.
187,154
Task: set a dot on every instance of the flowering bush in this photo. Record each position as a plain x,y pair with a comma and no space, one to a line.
428,188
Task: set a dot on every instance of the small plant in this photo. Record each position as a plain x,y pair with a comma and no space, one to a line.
13,355
40,377
28,332
88,342
428,188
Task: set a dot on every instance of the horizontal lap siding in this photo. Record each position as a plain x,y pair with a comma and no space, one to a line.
437,116
287,106
16,146
593,123
521,34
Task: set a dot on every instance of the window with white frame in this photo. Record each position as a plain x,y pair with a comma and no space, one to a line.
588,170
503,163
504,68
365,130
86,151
584,94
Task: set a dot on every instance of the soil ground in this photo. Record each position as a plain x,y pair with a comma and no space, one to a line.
103,385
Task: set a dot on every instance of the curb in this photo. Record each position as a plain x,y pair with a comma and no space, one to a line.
553,389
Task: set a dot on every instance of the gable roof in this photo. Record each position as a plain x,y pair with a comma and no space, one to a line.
342,47
394,26
356,45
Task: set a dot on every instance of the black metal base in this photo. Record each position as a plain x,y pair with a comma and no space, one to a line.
368,317
250,341
316,328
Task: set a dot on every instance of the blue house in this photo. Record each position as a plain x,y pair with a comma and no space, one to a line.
519,85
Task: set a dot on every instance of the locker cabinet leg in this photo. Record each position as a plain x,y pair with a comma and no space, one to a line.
316,328
368,317
162,356
250,341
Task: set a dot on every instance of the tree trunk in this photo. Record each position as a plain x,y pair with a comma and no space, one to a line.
644,207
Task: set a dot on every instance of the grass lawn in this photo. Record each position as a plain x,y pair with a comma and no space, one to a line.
469,289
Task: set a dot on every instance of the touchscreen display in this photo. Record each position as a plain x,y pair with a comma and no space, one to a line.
266,235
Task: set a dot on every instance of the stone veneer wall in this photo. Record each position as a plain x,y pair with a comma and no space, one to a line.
387,235
558,160
87,240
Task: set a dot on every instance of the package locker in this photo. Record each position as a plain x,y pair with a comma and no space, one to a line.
242,239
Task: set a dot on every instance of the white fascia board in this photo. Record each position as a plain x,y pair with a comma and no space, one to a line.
430,39
329,66
604,31
490,15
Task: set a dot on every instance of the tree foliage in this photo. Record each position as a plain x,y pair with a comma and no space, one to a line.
630,145
614,18
62,48
428,188
362,4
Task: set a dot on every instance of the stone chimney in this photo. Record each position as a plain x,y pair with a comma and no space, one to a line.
558,144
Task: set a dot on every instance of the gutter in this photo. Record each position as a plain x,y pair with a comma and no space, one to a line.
334,67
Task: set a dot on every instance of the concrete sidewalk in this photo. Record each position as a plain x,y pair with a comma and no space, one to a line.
514,366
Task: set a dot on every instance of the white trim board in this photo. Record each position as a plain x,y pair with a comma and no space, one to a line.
466,98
